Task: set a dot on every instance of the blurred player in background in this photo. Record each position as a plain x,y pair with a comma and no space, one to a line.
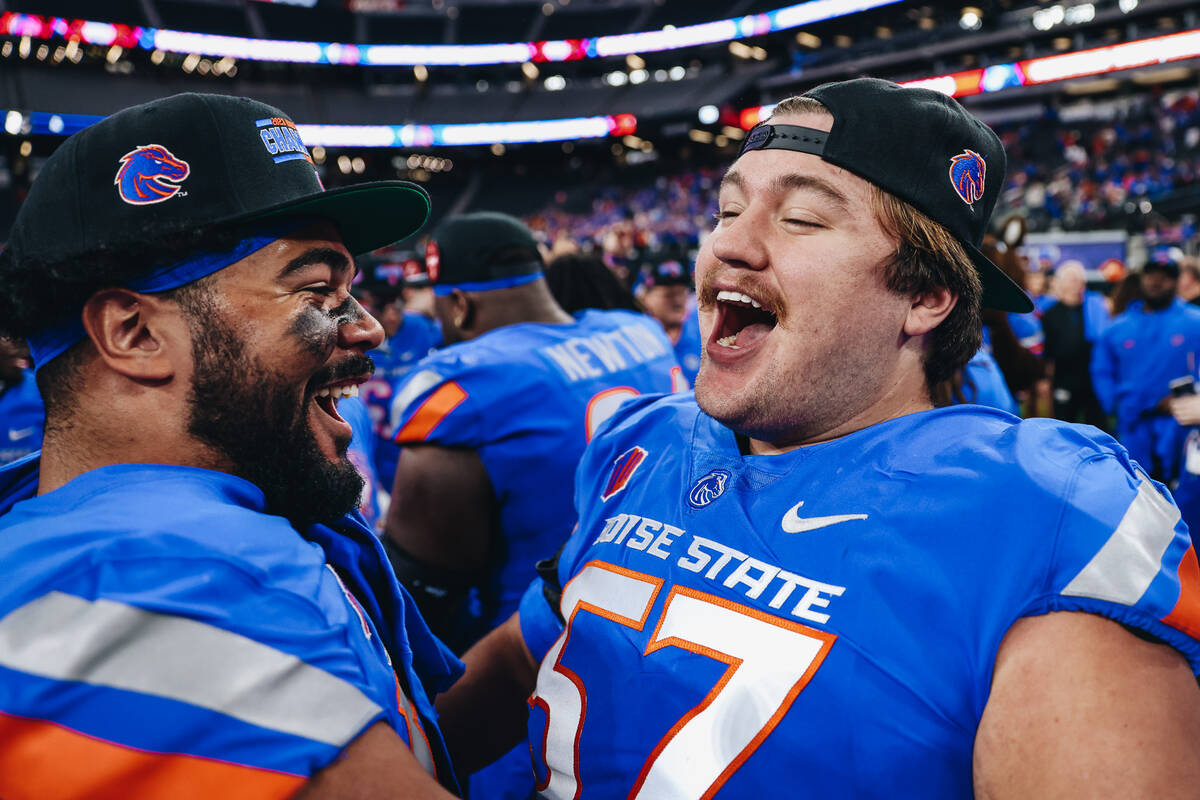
408,337
664,288
492,427
816,580
21,412
417,290
1154,342
581,281
189,607
1070,327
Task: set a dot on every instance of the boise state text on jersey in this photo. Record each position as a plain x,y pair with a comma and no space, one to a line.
527,398
837,608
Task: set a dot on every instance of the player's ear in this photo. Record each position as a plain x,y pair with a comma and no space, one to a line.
463,310
928,309
137,335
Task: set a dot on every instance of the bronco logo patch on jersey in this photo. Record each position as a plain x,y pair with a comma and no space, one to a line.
709,488
150,174
967,173
623,469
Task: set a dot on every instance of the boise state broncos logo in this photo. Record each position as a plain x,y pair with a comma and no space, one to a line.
150,174
967,173
709,488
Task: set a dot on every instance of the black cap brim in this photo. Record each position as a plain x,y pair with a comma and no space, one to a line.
999,291
369,215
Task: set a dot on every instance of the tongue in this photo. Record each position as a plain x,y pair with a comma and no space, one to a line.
752,334
329,406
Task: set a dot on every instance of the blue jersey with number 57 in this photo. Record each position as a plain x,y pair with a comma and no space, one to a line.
829,616
527,398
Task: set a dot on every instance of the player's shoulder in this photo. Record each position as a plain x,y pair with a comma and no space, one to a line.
661,416
1041,452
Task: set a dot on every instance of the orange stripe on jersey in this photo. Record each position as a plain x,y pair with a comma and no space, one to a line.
41,760
1186,614
435,409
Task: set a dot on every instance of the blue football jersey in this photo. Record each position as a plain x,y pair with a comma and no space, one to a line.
361,454
689,346
161,635
527,398
415,339
22,418
831,614
983,383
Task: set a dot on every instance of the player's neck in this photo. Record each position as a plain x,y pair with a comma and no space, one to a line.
906,396
90,438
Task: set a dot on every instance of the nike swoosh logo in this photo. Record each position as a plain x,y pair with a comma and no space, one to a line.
794,523
14,434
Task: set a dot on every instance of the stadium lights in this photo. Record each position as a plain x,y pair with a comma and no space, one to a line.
639,76
634,61
697,135
250,49
1127,5
708,114
677,73
13,122
529,70
617,78
1047,18
421,73
555,83
971,19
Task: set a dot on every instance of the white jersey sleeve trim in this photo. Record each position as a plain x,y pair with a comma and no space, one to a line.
111,644
1122,570
416,386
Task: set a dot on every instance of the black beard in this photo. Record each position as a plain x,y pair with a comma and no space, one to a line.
247,412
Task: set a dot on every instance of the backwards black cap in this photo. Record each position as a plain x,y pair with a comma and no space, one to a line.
195,160
919,145
481,251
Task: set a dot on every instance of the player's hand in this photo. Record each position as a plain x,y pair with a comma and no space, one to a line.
1186,409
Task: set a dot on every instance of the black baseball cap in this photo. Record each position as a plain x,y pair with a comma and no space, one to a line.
481,251
663,271
919,145
195,160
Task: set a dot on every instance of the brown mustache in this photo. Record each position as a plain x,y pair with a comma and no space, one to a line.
771,300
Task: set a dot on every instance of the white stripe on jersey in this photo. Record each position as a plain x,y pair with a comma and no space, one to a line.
106,643
1122,570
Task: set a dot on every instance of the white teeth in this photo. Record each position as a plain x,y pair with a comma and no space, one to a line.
737,297
339,392
729,341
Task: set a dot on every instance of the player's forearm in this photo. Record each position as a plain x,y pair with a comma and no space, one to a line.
484,714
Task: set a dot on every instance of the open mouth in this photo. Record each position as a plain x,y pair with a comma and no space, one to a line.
742,321
327,396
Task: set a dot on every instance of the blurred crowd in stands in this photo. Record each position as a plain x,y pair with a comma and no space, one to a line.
1103,173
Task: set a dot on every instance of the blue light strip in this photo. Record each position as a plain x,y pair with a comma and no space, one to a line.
400,136
297,52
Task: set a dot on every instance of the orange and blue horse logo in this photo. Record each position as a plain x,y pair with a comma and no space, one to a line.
967,173
150,174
